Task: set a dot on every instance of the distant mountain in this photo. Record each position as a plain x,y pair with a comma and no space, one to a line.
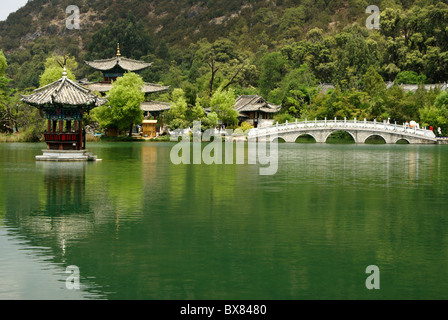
171,30
179,22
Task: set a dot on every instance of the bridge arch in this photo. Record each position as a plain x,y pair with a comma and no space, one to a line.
402,141
278,140
339,130
375,138
305,135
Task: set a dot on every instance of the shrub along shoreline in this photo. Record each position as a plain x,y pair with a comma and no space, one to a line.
23,138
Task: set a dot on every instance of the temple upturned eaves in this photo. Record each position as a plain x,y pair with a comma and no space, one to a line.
116,67
103,87
63,93
118,62
64,103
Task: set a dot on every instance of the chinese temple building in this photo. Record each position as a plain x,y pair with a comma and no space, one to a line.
256,110
64,103
116,67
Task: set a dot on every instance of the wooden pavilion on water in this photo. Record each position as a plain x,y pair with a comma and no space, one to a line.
116,67
64,103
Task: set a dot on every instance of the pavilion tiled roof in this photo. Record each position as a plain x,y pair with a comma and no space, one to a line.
124,63
155,106
251,103
63,92
325,87
105,87
153,87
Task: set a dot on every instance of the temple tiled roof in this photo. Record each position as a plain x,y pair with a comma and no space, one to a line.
253,103
153,87
124,63
325,87
105,87
63,92
155,106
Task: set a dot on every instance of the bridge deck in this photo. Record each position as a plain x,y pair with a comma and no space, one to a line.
359,130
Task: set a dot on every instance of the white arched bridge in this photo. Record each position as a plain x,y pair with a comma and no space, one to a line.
360,131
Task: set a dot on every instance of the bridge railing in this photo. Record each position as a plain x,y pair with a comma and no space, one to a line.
343,124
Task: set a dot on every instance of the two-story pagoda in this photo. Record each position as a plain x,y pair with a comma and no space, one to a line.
116,67
64,103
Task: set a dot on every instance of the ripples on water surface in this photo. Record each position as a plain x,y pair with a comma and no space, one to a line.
139,227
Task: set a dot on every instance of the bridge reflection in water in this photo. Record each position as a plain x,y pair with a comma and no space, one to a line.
360,131
139,227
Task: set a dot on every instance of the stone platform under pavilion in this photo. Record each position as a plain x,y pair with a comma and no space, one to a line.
67,155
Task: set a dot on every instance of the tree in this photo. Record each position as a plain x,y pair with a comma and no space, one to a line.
54,68
410,77
395,103
123,108
299,88
3,64
177,116
134,40
7,120
373,83
217,65
292,21
441,111
222,103
390,22
273,68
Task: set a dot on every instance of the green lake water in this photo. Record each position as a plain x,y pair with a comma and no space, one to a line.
139,227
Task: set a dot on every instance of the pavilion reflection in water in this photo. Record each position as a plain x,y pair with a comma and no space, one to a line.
65,187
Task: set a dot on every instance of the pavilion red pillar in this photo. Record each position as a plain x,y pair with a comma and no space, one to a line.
80,131
80,135
61,129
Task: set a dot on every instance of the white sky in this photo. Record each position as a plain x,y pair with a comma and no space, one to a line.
8,6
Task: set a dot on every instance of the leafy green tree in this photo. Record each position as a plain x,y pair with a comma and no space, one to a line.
53,69
130,33
390,22
373,83
7,119
177,116
210,121
273,69
299,88
197,111
283,117
431,116
222,103
218,65
395,103
3,64
441,112
123,108
292,21
410,77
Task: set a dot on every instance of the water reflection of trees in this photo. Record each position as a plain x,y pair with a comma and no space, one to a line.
156,230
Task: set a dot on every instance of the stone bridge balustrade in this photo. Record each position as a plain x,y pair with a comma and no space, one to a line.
320,130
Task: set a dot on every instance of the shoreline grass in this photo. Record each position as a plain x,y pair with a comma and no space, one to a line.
13,138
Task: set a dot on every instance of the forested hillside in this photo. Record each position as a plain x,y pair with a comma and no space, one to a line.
280,49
